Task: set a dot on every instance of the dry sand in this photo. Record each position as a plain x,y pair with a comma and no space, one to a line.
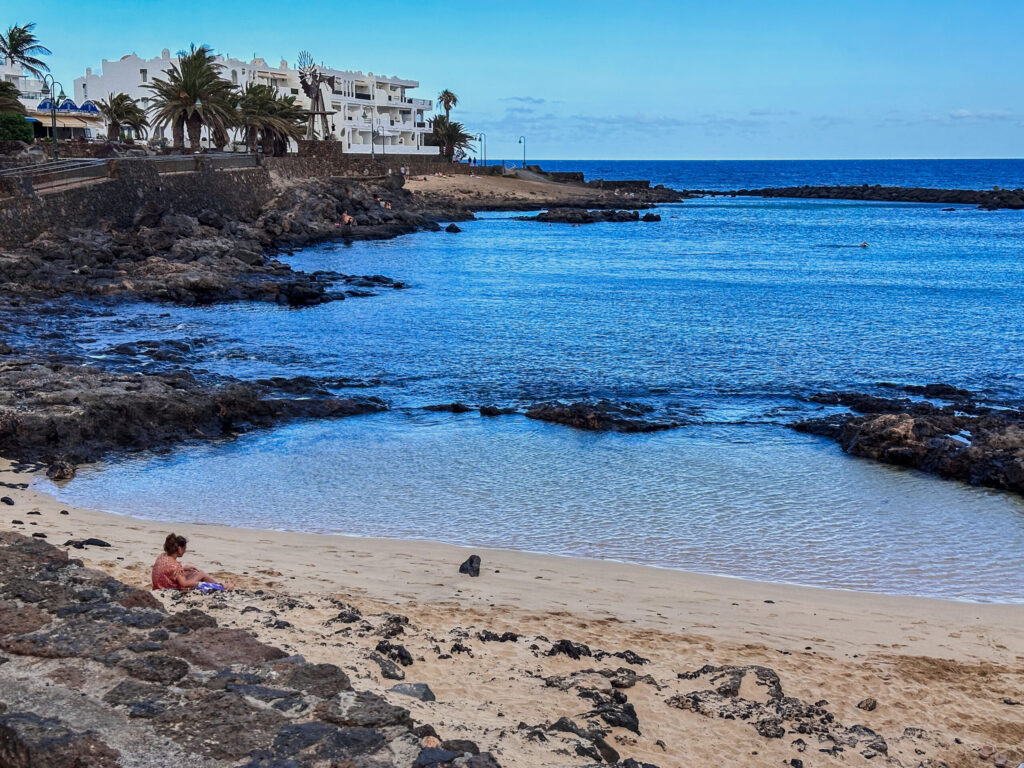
482,191
950,669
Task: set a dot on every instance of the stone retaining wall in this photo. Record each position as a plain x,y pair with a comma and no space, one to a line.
310,166
239,193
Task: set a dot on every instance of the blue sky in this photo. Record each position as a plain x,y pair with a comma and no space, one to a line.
638,80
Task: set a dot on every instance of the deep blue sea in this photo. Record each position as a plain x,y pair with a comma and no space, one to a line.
758,174
725,314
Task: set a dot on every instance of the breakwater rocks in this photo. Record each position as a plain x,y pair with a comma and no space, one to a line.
95,673
208,258
955,438
584,216
64,414
989,199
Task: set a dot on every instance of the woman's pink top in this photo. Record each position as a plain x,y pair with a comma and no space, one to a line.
166,571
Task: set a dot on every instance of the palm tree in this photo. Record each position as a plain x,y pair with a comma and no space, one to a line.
451,136
122,110
447,99
9,101
262,114
19,45
289,120
193,95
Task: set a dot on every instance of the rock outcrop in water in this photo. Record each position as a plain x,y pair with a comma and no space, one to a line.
989,199
63,414
961,440
584,216
601,416
95,674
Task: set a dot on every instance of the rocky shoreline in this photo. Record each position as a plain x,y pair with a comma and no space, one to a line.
988,199
204,259
62,414
98,674
956,437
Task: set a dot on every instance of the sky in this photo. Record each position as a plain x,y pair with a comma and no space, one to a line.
646,79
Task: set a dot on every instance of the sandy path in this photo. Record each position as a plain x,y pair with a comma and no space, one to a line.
943,667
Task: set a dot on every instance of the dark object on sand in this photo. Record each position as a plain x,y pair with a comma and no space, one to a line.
471,567
8,501
82,543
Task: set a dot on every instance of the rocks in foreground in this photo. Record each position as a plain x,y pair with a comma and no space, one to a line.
601,416
989,199
98,674
64,414
584,216
961,440
773,714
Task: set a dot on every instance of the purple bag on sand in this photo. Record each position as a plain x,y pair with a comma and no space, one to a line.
207,587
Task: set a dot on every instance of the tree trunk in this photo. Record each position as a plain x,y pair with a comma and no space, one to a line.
178,132
251,139
194,124
115,131
220,138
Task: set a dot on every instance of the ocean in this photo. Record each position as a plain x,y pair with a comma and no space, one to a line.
725,315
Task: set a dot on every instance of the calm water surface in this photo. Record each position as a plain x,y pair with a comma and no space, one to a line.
726,314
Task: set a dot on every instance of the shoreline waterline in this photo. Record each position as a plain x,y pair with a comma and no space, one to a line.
457,551
403,573
754,502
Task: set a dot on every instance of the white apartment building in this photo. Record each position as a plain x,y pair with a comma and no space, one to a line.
365,107
81,120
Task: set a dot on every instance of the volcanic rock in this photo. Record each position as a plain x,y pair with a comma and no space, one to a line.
471,567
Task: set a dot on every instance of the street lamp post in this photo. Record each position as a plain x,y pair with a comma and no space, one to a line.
522,140
51,89
482,138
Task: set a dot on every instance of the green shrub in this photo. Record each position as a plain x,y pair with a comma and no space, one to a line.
14,127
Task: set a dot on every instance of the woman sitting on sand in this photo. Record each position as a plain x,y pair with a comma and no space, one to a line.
168,573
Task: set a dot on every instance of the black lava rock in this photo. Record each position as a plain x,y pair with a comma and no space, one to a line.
471,567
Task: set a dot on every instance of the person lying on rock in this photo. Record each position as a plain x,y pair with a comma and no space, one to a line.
168,573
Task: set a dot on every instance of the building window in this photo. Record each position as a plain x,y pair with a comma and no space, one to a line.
85,91
234,77
144,74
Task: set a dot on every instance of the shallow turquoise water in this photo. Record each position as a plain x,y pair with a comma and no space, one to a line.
725,314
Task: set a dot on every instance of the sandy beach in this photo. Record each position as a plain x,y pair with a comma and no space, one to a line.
511,192
947,678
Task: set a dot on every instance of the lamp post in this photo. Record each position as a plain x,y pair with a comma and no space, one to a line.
51,90
522,140
482,138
